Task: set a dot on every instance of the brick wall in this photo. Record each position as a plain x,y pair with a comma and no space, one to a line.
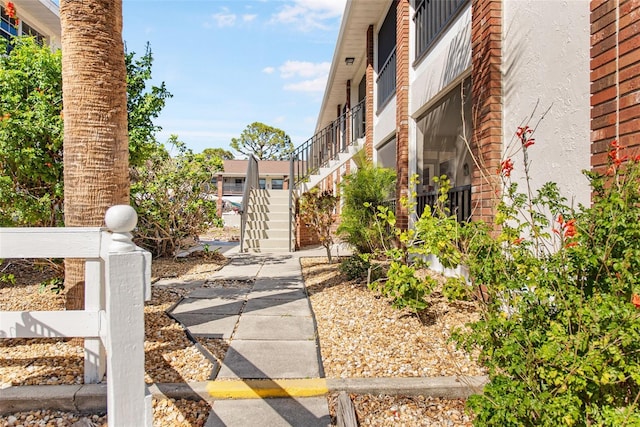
486,93
402,110
615,77
369,109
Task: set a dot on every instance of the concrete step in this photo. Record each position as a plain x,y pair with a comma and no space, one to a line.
266,245
266,233
259,207
282,196
268,217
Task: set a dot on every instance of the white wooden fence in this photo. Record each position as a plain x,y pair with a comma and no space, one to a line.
117,282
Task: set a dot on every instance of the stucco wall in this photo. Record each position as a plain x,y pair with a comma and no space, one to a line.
546,66
385,123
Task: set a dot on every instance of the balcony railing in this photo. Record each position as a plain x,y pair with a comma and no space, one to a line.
458,202
327,144
431,18
232,189
387,79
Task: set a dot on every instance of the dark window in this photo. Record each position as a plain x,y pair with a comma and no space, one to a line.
28,30
387,57
431,17
362,88
262,183
387,36
277,184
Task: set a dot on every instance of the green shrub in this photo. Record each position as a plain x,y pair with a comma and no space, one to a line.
362,192
356,266
560,333
173,199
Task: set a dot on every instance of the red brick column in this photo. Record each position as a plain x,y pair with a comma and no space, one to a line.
615,77
486,94
369,109
219,182
402,110
347,116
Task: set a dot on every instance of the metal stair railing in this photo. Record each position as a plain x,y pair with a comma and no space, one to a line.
252,181
328,144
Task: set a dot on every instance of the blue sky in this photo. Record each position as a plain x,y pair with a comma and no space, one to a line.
231,63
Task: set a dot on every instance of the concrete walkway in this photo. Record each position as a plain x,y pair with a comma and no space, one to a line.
264,311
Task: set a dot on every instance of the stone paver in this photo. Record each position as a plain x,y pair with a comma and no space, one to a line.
209,306
290,328
270,359
209,325
305,412
274,307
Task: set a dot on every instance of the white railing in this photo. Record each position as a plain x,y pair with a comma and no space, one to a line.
117,282
251,182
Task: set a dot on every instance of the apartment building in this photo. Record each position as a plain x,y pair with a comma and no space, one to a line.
444,85
37,18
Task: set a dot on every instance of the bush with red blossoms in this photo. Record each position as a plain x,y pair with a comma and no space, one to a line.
560,330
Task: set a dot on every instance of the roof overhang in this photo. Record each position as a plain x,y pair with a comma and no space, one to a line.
351,43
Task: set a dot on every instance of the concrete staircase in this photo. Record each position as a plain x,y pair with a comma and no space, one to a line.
267,227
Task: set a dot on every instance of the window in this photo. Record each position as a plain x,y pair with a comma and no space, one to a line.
28,30
431,18
387,57
262,183
8,26
277,184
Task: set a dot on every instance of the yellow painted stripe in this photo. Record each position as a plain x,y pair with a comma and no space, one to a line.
258,389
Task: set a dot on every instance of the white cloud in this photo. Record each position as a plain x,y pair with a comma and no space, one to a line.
310,76
314,85
224,19
309,14
249,18
304,69
268,70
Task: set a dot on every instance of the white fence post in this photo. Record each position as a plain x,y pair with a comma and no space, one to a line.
94,352
127,402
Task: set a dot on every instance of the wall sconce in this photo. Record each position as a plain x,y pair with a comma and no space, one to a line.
349,60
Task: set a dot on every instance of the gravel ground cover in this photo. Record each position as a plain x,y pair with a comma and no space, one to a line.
360,336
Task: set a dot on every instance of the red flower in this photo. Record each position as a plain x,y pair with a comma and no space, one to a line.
506,167
10,10
524,134
567,229
635,300
523,131
570,228
518,240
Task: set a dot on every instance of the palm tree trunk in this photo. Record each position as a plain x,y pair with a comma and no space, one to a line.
96,156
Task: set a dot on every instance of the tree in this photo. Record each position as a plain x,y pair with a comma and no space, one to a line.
143,105
30,135
265,142
316,211
31,177
220,153
96,145
175,197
